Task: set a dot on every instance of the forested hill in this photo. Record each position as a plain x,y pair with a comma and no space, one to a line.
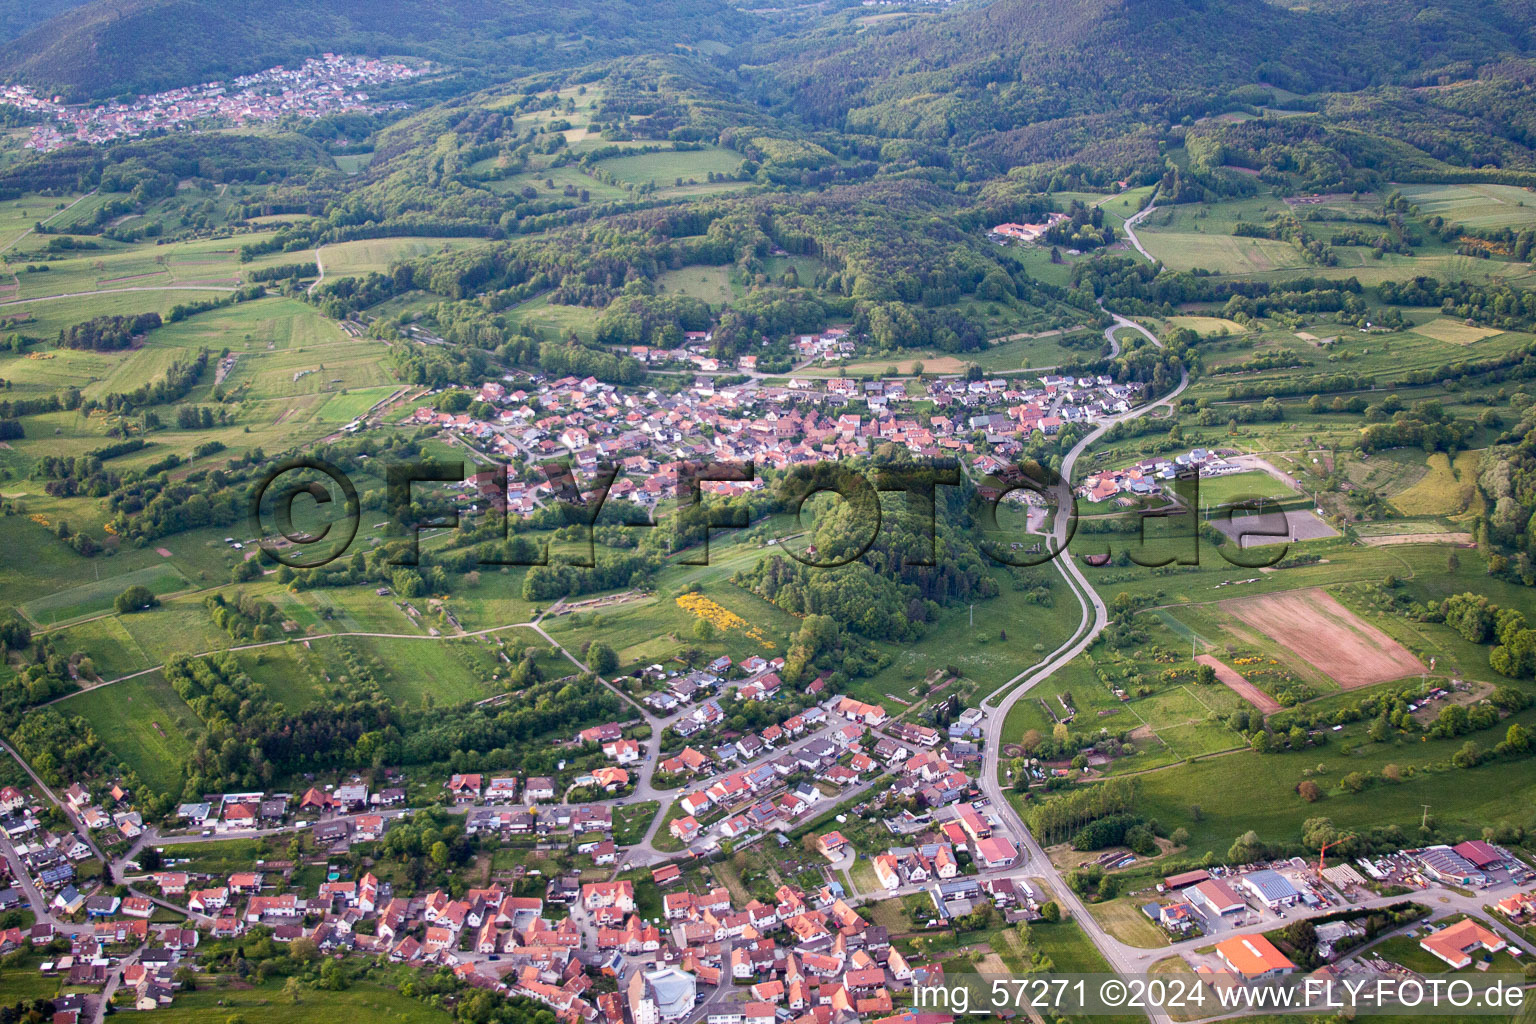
112,47
993,65
17,16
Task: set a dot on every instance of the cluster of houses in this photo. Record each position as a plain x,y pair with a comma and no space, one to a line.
741,801
971,829
322,86
1147,477
648,433
234,812
803,957
147,984
49,858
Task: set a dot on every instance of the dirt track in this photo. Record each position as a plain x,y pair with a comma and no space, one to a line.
1234,681
1328,636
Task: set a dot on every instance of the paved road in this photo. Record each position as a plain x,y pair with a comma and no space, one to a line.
1121,957
1130,229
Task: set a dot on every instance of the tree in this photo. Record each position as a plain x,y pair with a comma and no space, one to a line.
332,977
1518,738
703,630
135,598
1050,912
1309,791
603,659
303,950
1205,675
1246,848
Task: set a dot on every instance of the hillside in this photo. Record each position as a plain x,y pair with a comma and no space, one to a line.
109,47
17,16
998,65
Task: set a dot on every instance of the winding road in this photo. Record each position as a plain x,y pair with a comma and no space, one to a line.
1121,957
1130,228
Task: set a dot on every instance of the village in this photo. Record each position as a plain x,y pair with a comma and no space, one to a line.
330,84
629,933
647,433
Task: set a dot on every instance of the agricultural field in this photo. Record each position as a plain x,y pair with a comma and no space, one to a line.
1453,333
265,1004
1207,326
1444,490
1314,626
1475,206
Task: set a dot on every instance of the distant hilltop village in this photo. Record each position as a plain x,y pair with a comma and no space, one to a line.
329,85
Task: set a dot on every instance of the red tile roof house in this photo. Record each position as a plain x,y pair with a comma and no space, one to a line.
465,788
685,829
996,852
1456,943
832,845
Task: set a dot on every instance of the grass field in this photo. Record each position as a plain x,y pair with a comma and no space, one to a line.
265,1004
143,722
357,258
1453,333
1124,920
553,321
1006,636
1475,206
1240,791
663,169
711,284
97,597
349,405
1216,491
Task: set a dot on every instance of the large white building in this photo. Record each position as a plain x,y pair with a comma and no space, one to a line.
664,995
